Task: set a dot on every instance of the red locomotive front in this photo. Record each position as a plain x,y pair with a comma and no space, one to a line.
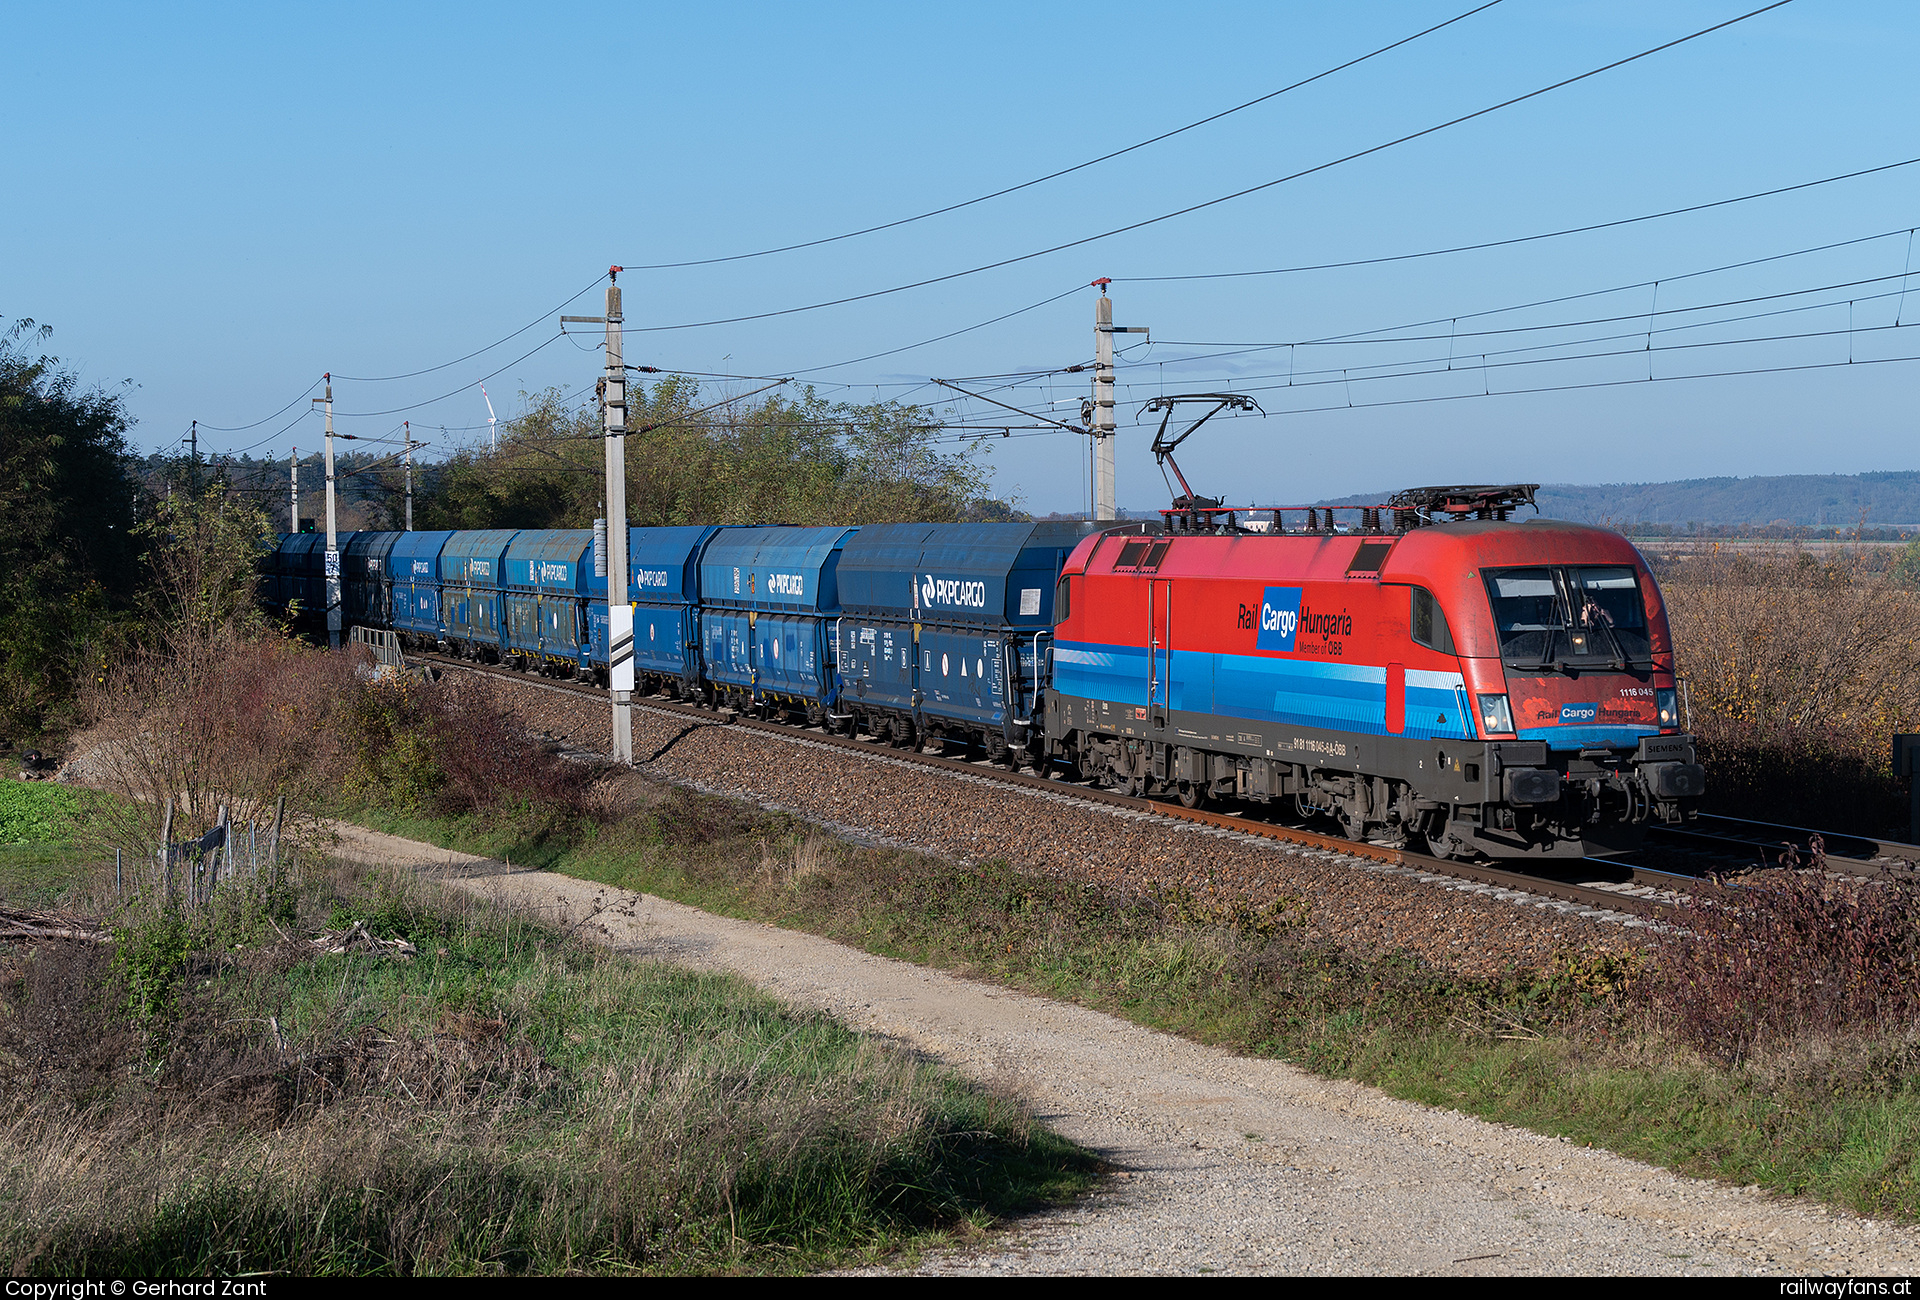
1483,685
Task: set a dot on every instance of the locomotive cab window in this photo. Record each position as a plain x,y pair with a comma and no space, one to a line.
1131,555
1428,622
1062,599
1577,615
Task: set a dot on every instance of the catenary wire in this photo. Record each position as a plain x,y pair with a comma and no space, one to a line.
1527,239
1361,335
472,383
414,374
1225,198
1068,171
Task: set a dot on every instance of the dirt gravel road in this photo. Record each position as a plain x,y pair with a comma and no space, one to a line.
1227,1164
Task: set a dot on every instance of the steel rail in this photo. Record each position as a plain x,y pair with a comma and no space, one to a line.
1741,848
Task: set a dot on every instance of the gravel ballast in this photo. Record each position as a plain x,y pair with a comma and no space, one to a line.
1368,906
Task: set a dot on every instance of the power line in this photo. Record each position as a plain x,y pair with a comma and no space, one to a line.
1225,198
414,374
355,415
941,338
1068,171
1300,378
1606,383
1526,239
1347,341
1360,335
242,428
1485,366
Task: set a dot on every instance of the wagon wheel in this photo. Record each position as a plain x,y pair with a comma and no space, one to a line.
1444,845
1193,795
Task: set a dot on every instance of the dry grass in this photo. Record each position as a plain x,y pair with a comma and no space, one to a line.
511,1101
1799,670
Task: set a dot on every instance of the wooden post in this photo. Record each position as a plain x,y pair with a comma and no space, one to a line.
273,843
166,854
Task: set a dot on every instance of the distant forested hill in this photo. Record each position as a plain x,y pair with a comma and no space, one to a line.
1832,500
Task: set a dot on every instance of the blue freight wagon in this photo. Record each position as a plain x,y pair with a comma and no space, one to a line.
298,578
945,629
768,600
366,589
665,564
413,566
545,595
471,565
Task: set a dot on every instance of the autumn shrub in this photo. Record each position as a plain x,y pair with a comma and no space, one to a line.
447,747
242,724
1785,958
1799,668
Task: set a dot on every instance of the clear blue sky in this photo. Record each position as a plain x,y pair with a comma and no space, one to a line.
221,202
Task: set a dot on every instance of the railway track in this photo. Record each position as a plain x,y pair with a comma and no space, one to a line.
1644,893
1733,844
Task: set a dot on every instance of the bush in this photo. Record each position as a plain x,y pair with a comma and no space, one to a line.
416,745
1791,956
1799,670
240,726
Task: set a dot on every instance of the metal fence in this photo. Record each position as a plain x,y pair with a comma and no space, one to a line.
384,644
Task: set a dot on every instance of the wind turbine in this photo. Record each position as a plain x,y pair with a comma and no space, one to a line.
492,425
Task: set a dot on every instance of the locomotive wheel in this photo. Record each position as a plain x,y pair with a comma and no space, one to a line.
1192,796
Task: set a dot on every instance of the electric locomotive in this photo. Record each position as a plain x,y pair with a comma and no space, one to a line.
1453,677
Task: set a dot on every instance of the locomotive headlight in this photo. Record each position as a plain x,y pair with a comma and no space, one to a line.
1669,705
1495,716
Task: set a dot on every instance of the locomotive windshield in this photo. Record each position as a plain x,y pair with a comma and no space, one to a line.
1553,618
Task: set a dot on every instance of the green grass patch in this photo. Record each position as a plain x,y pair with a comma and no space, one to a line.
37,812
40,875
211,1097
1560,1051
47,855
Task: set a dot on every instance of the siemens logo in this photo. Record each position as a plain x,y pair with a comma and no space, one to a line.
1279,619
785,584
550,572
650,578
952,592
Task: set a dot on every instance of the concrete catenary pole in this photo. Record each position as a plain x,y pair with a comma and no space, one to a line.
408,435
1105,505
293,479
613,406
619,608
333,537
